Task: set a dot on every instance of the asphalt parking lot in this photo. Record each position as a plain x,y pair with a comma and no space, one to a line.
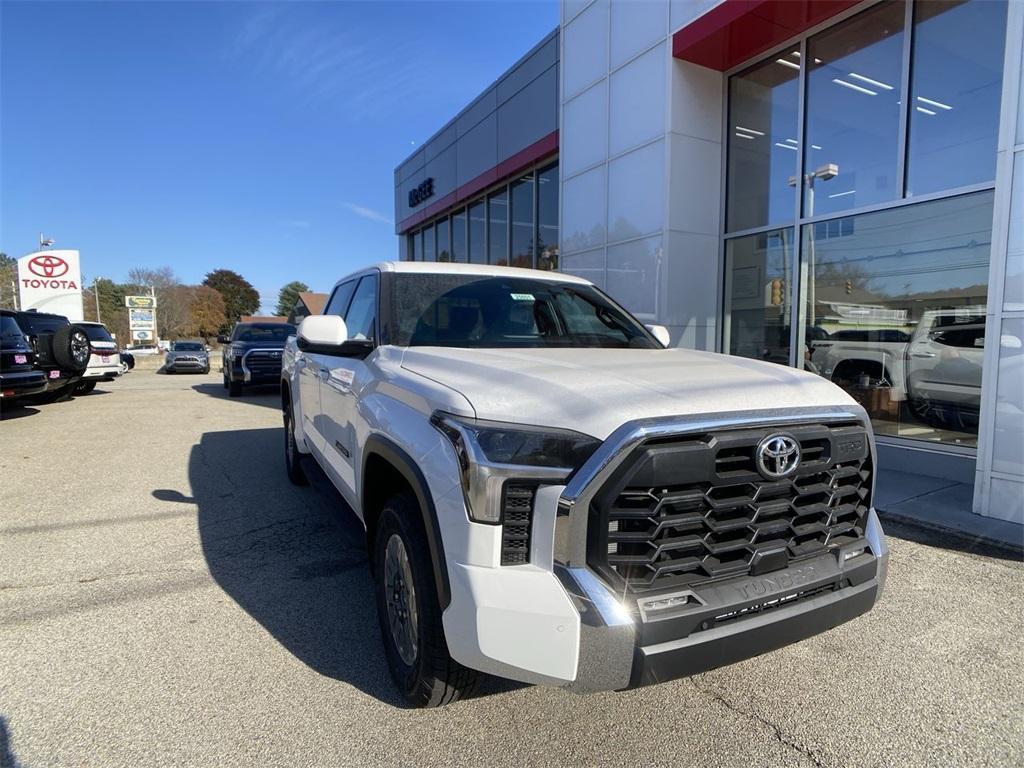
167,598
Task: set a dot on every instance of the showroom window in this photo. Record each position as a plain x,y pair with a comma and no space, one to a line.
762,142
497,227
547,217
522,222
478,233
891,114
459,236
955,88
429,249
444,248
484,232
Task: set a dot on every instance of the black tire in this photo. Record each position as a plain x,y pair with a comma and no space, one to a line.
235,388
432,677
206,369
224,375
292,457
71,348
85,387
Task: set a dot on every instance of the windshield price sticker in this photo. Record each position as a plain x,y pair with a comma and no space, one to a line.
522,297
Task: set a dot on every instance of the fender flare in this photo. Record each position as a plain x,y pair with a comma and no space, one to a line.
378,445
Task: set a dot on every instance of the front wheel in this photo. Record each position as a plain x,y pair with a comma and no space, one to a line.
292,459
409,612
235,388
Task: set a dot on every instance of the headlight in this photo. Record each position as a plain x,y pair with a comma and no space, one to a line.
490,452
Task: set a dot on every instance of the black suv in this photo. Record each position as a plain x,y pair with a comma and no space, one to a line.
253,354
18,375
61,350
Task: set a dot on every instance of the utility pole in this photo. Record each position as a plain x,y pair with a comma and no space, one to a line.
96,293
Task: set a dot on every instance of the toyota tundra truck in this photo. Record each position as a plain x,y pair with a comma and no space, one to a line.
553,494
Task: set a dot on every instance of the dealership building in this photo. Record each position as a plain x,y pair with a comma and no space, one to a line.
828,184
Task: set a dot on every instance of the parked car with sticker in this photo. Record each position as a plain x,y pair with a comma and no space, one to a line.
62,350
19,376
104,360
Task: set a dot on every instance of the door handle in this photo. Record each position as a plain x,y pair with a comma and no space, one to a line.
922,354
323,374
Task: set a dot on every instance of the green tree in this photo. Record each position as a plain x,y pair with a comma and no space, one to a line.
288,296
240,298
8,281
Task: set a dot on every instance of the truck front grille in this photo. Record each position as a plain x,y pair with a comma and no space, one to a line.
263,361
516,522
693,509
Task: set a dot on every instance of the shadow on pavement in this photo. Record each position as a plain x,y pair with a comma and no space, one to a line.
16,410
293,558
268,396
6,755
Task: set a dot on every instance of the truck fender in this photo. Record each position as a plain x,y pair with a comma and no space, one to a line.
384,448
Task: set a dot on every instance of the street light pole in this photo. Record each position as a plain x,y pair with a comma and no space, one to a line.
96,293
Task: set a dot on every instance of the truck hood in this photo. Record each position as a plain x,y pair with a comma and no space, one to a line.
594,391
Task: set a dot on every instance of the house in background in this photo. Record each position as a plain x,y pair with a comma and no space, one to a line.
308,303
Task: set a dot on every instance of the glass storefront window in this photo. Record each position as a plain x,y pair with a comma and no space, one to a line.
522,222
444,248
854,92
757,295
497,227
893,310
411,241
547,218
429,250
478,233
418,239
459,236
762,143
956,87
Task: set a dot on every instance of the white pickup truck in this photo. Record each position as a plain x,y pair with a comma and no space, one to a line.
552,495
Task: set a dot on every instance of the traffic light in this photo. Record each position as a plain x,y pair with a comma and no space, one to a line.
778,292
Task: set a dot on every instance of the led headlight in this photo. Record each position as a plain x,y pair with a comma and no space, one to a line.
490,452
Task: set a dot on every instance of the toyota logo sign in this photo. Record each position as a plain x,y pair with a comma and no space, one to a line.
46,265
778,456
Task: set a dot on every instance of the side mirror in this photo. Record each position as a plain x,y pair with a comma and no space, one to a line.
328,335
222,339
660,332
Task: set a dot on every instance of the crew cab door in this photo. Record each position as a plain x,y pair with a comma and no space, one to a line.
340,385
312,367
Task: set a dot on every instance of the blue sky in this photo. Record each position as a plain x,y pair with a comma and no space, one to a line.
260,137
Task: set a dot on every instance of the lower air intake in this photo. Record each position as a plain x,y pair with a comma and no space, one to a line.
516,522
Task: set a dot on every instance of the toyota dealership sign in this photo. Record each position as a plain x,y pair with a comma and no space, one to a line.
51,281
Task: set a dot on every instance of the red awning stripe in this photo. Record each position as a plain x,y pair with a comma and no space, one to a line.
736,31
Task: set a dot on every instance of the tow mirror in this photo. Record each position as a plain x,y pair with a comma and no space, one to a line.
660,332
328,335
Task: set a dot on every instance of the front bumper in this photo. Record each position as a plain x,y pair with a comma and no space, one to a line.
22,383
723,622
556,621
195,366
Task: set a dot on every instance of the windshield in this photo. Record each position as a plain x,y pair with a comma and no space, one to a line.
448,310
9,329
97,333
187,346
275,332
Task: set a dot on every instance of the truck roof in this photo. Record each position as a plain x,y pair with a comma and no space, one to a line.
484,270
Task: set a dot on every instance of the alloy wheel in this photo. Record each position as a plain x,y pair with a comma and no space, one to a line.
400,598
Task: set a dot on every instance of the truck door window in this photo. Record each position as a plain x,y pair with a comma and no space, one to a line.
339,300
362,312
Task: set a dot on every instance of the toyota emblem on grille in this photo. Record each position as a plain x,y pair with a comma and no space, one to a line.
778,456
